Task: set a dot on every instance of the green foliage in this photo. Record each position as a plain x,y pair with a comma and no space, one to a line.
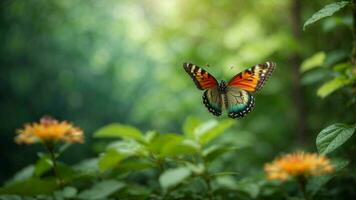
94,62
327,11
333,137
333,85
314,61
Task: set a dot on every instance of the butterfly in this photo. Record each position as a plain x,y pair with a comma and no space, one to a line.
236,95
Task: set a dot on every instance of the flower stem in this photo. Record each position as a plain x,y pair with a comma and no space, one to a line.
302,181
51,152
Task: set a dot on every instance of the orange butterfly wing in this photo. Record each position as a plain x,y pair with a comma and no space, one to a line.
254,78
202,79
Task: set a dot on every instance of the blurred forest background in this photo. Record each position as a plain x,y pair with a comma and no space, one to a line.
96,62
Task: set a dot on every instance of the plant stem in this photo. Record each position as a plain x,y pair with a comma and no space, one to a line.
50,149
302,186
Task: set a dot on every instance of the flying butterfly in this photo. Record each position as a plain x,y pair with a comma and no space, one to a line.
236,95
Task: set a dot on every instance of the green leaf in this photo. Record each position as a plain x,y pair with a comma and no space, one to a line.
327,11
88,166
32,186
189,126
333,85
110,159
210,130
168,145
183,147
173,177
116,130
312,62
128,147
215,151
316,183
101,190
42,165
333,136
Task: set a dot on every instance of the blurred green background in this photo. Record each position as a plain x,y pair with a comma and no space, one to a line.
96,62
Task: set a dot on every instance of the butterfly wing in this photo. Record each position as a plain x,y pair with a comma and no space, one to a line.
254,78
238,102
202,79
212,100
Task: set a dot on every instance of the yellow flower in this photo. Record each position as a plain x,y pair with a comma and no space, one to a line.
49,130
298,164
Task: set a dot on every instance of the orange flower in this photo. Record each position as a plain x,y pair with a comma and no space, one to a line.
49,130
298,164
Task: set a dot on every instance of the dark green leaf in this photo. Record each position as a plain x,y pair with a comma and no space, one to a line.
327,11
333,136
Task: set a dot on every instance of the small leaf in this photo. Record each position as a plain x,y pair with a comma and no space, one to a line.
333,136
173,177
210,130
333,85
116,130
312,62
327,11
101,190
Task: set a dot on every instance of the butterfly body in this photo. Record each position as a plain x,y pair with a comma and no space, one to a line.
234,96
